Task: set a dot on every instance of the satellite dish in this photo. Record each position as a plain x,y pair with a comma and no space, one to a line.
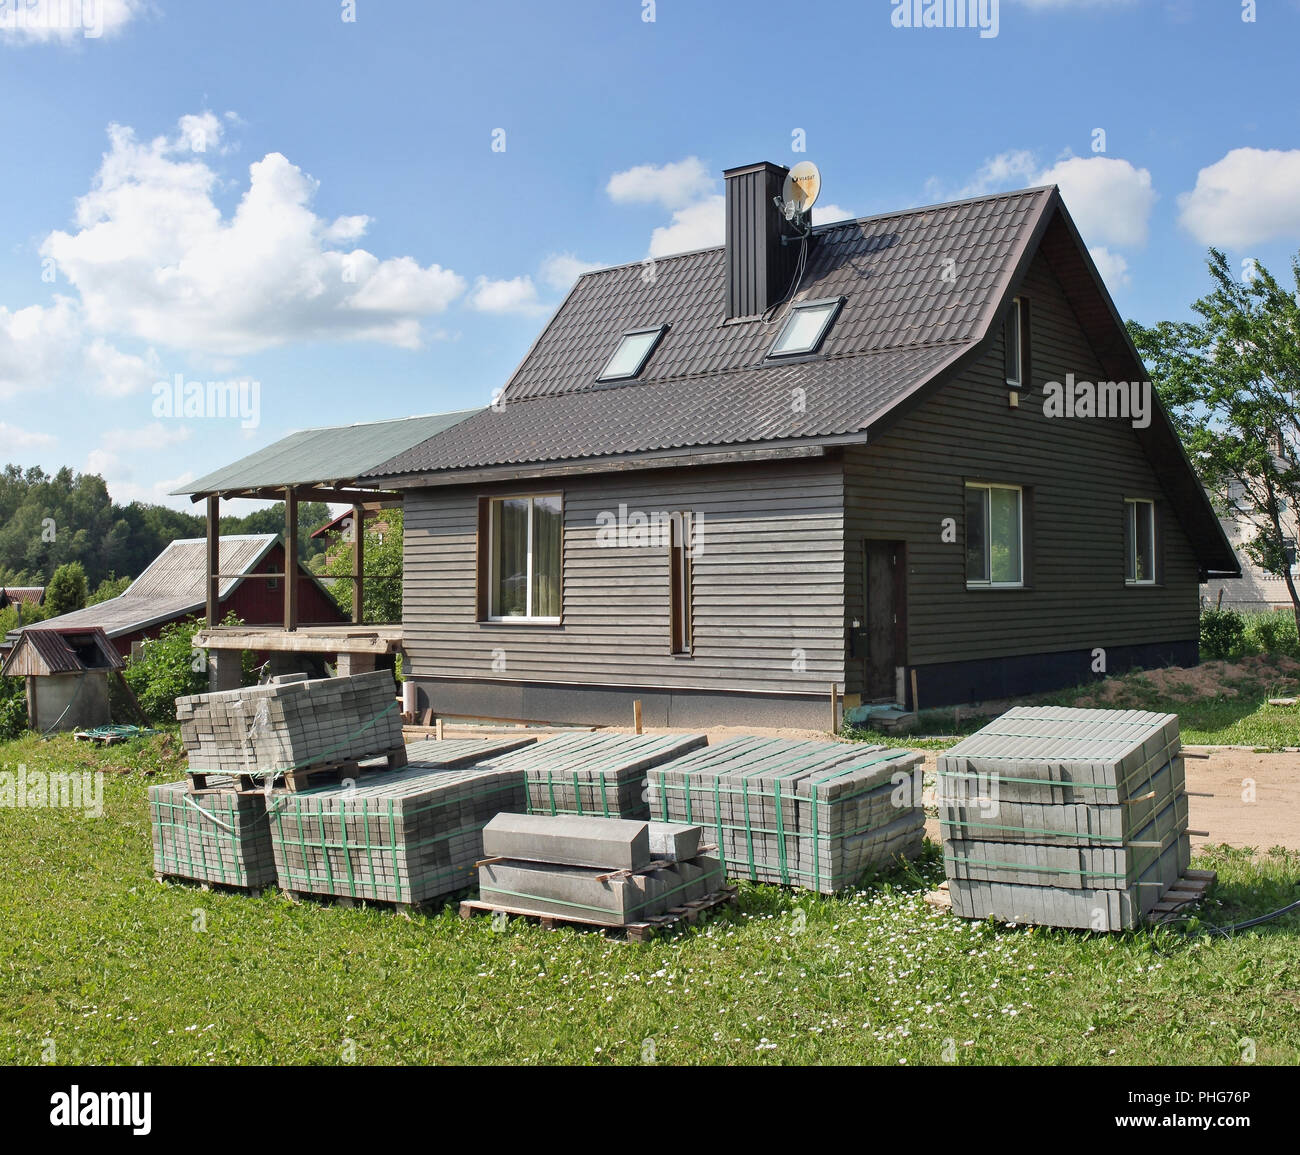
802,184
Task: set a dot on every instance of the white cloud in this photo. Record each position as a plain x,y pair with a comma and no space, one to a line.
672,186
45,346
64,21
826,214
124,490
1249,196
697,226
15,440
1015,168
1109,199
1112,267
516,295
560,270
153,256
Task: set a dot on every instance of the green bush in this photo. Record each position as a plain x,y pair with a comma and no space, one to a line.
13,708
165,670
1273,633
1223,634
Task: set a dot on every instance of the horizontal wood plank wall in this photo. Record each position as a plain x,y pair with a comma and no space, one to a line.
1079,471
767,585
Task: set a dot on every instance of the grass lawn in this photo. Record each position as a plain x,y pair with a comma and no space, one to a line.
1217,703
116,968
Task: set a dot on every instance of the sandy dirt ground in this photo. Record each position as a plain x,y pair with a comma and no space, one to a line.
1239,797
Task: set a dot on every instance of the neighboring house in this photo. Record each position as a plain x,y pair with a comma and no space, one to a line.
173,588
696,495
21,596
1256,590
375,520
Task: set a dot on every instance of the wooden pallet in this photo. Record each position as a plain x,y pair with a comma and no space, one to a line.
207,885
292,781
1178,896
689,912
346,901
1187,891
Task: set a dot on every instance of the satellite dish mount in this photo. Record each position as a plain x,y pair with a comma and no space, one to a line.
802,184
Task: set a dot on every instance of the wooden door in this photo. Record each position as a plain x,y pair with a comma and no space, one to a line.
884,617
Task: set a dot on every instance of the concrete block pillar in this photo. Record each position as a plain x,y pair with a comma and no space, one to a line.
350,664
224,672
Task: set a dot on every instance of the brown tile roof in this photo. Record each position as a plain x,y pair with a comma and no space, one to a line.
708,383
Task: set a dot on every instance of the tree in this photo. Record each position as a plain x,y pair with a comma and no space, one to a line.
110,587
67,590
1232,384
381,592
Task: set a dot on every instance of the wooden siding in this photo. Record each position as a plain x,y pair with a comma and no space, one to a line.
768,582
1077,472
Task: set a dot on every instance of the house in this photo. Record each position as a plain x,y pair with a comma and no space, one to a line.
343,525
173,588
727,481
67,673
1257,590
21,596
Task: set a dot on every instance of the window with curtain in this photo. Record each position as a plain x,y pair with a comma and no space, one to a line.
994,554
524,557
1139,542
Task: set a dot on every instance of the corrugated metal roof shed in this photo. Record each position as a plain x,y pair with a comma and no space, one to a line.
173,585
42,650
324,456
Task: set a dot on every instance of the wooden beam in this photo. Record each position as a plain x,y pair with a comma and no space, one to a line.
312,493
358,561
290,559
214,560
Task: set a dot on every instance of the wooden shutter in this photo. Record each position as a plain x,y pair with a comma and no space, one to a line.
482,562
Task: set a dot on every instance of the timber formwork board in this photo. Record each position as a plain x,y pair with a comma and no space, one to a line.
1065,817
817,815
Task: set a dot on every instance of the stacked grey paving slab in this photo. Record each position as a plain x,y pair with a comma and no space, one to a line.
817,815
405,836
593,870
220,837
291,724
597,774
1065,817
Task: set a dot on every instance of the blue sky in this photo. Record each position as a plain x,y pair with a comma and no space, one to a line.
274,193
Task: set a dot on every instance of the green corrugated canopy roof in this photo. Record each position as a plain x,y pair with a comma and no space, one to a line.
329,456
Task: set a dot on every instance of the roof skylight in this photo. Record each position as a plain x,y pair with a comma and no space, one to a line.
632,353
806,327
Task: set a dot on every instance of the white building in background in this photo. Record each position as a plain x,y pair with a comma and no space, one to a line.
1256,590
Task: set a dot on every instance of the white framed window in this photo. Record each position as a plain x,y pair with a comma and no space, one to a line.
994,536
524,558
1016,340
680,577
633,352
1139,541
806,327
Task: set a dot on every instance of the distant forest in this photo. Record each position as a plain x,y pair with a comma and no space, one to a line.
49,520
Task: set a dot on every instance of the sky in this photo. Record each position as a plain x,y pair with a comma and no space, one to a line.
364,209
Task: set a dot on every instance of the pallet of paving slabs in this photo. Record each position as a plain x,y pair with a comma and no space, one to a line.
406,838
455,752
598,774
812,814
222,837
1082,823
1068,824
291,725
